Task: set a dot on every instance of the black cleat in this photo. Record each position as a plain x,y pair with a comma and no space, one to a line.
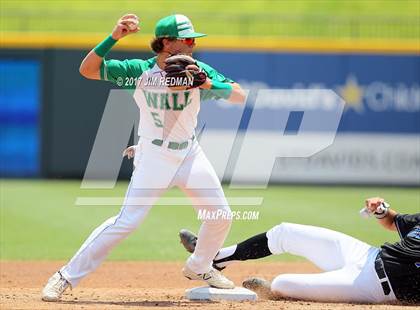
260,286
188,240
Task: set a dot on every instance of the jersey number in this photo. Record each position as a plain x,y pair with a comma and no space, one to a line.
157,120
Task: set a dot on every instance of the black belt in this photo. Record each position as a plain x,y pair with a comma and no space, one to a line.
173,145
380,271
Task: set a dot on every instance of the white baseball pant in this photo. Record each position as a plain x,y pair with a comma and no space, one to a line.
157,169
348,263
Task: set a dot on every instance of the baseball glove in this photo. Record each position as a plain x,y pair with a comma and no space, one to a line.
182,71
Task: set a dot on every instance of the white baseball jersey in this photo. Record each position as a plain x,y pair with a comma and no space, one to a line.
164,114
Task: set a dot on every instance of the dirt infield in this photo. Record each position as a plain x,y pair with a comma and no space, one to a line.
142,285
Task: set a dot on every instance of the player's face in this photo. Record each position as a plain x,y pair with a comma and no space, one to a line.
181,46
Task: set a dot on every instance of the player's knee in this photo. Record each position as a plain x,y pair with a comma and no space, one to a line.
277,235
220,216
223,221
127,226
282,228
227,223
227,220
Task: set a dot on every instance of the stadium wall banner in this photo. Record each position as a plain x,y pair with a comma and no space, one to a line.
378,137
19,117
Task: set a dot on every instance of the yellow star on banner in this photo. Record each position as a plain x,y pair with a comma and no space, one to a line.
352,93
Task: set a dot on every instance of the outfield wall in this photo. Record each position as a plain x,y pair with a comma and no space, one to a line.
378,139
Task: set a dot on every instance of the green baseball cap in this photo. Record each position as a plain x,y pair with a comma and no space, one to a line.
176,26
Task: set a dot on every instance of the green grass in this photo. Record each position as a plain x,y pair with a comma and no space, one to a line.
39,220
295,18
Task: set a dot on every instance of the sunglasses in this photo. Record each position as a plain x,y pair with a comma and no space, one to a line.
187,41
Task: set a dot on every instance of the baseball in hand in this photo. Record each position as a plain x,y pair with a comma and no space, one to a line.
133,25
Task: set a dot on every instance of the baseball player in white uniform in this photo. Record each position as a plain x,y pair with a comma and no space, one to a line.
353,271
167,153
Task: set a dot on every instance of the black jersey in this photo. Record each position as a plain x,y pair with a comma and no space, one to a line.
402,259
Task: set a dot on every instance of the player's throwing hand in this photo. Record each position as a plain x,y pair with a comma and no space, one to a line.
126,25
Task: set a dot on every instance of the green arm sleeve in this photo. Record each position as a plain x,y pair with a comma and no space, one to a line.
124,73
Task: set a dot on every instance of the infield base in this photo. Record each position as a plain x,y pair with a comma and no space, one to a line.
211,293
